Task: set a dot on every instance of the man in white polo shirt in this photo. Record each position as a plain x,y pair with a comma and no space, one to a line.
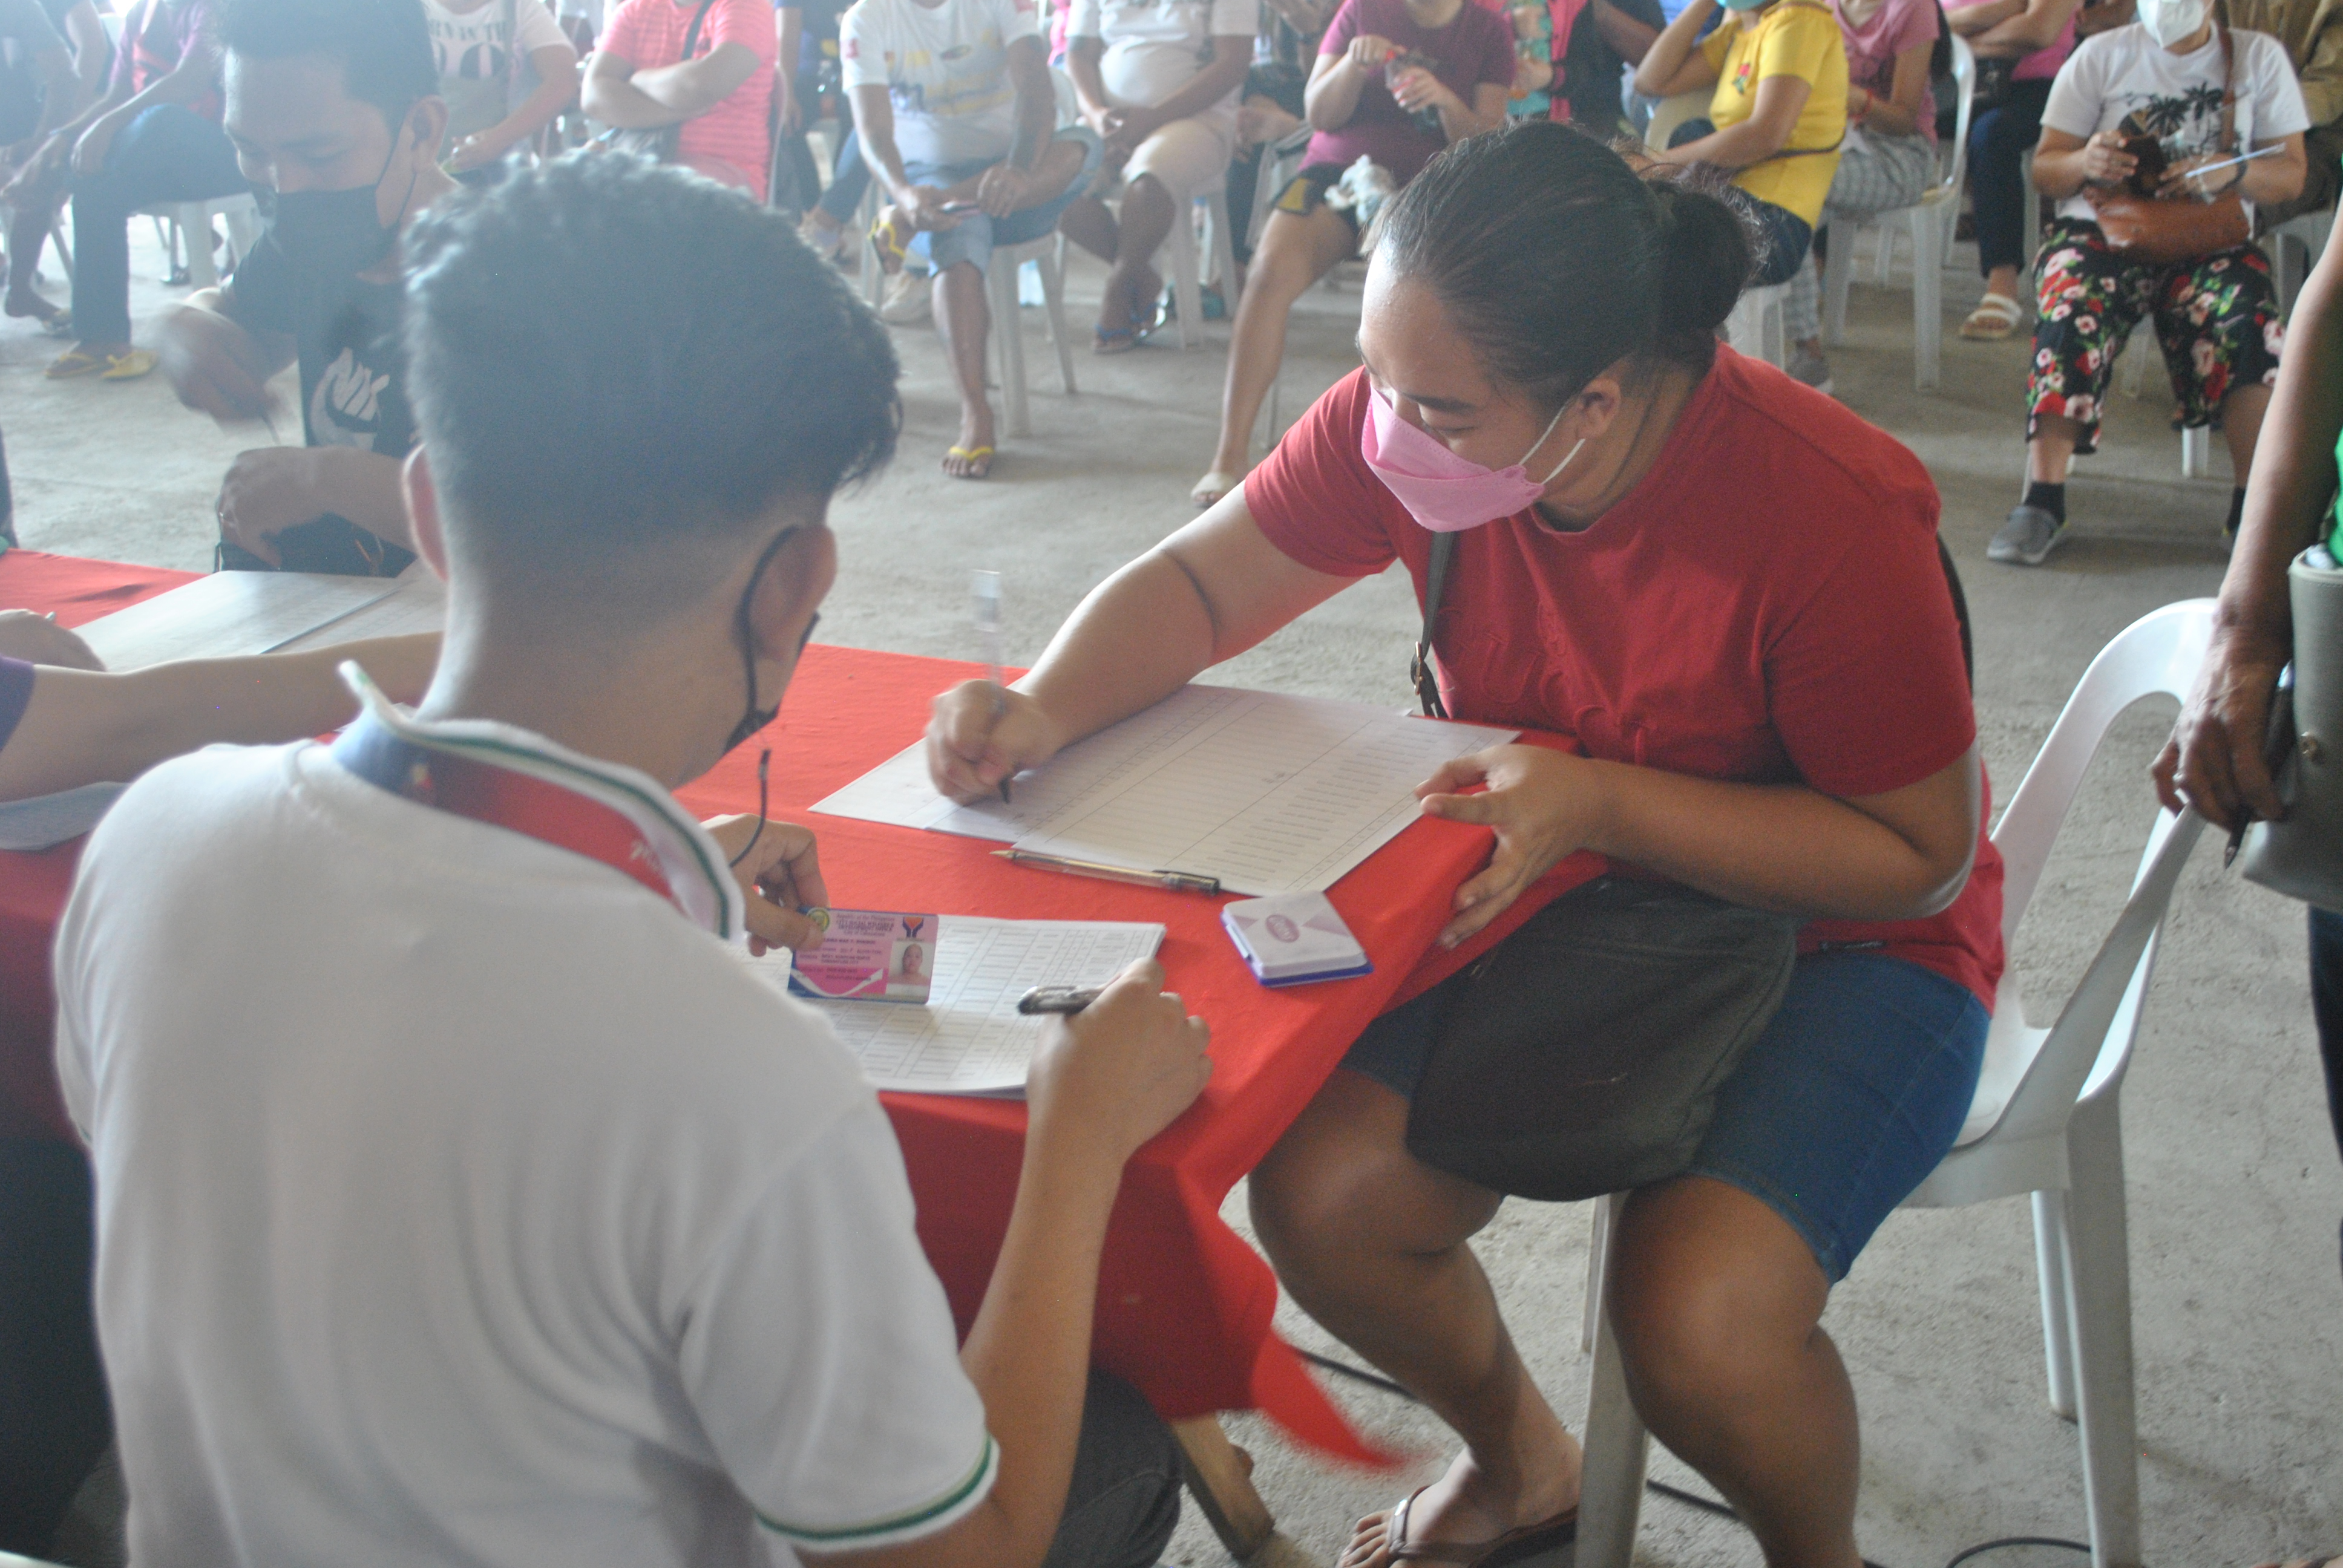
955,108
462,1197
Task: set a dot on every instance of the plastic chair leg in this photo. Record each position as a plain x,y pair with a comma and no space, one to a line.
1883,260
1598,1254
1611,1487
195,225
1224,249
1179,249
2099,1283
2057,1319
1053,301
874,280
1928,300
1008,341
1838,274
243,231
2197,453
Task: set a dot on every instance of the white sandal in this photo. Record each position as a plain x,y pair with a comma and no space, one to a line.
1996,315
1208,490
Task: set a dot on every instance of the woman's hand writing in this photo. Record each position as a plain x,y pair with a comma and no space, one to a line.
979,734
1543,805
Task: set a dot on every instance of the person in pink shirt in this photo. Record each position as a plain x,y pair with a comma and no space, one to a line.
2039,36
639,78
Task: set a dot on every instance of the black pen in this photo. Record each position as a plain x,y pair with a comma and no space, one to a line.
1059,999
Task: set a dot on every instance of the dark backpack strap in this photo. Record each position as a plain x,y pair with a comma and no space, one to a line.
1960,609
691,35
1427,684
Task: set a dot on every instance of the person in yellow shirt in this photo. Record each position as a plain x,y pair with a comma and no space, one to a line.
1779,115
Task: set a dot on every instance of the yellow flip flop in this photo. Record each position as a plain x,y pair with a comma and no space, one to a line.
973,454
128,367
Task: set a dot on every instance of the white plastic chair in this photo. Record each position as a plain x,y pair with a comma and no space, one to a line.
1007,325
2305,232
2031,224
1757,325
2044,1123
191,224
1932,220
1672,112
1183,254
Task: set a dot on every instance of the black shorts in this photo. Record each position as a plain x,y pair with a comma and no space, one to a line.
1305,193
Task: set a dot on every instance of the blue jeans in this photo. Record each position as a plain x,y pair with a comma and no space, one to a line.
1843,1106
1999,139
973,238
848,178
166,153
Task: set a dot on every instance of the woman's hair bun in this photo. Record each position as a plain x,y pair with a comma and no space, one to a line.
1708,247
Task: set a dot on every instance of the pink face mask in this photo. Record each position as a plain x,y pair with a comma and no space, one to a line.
1441,490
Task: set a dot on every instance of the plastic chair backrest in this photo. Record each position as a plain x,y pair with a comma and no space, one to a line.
1670,112
1965,84
2159,654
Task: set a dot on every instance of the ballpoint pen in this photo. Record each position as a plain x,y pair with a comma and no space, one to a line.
1059,999
987,591
1172,882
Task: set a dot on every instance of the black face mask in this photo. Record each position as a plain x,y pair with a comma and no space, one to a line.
752,718
333,234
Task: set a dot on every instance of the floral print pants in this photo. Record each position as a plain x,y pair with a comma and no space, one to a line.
2216,320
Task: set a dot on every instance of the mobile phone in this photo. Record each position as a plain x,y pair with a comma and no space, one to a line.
2149,174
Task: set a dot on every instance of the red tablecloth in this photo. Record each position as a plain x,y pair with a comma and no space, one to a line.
1185,1304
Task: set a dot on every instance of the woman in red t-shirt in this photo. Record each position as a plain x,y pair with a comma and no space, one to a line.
1723,591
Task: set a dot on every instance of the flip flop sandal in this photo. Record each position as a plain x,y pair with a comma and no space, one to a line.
1113,340
973,454
1522,1545
75,362
48,318
1151,320
128,367
1208,490
1996,315
885,246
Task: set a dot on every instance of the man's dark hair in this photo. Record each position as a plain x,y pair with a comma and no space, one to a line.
384,47
617,366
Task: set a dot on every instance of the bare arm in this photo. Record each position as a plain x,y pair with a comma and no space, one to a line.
1902,855
789,42
1103,1084
2109,15
1674,63
557,83
85,31
1331,96
2038,26
84,727
1082,57
1206,593
610,95
214,363
1037,105
2213,760
1898,113
1773,116
1231,58
197,74
874,122
692,87
1969,21
1629,39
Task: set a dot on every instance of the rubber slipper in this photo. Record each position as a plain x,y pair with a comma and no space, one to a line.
128,367
48,317
1151,320
973,454
1996,315
1208,489
1514,1546
1119,340
890,250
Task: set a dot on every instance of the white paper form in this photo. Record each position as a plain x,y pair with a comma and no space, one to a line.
420,604
228,615
1268,793
968,1038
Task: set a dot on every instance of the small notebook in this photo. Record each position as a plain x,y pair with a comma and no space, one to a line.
968,1038
1294,939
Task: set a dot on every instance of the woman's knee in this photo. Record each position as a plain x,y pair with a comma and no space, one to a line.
1342,1179
1710,1287
1289,259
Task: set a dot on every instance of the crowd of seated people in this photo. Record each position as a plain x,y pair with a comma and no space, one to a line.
1541,377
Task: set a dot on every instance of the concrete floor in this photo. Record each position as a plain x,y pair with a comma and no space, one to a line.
2236,1190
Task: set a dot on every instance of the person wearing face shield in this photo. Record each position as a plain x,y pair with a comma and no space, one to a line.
504,1215
1722,592
334,110
2178,106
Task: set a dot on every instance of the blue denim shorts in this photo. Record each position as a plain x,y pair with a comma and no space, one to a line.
973,238
1840,1109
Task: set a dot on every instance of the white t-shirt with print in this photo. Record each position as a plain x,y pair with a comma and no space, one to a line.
2177,98
489,44
1155,48
461,1201
946,69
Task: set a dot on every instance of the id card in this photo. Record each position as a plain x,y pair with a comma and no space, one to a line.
869,955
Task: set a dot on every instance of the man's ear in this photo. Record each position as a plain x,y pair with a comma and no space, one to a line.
414,483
